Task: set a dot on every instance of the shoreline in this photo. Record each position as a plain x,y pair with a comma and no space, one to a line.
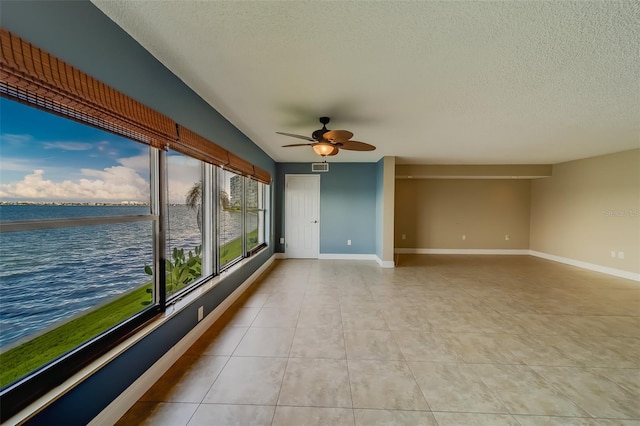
90,204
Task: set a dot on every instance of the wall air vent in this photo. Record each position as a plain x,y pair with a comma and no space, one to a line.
319,167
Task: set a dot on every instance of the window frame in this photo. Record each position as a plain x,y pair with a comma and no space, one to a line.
261,212
18,394
205,275
220,181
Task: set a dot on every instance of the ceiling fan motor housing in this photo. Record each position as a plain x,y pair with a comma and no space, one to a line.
318,135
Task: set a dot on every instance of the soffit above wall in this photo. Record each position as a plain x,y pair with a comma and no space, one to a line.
520,171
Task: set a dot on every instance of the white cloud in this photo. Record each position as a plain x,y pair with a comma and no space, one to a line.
183,173
139,163
68,146
17,164
126,181
111,184
14,139
102,145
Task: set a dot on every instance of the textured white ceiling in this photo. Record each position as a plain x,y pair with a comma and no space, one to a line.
429,82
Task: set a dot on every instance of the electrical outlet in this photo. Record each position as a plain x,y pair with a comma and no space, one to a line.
281,240
348,242
507,237
613,253
620,255
464,237
200,313
404,236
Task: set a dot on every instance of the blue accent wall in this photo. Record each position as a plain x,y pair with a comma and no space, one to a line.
80,34
347,206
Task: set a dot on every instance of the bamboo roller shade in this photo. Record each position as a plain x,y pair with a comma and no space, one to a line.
32,76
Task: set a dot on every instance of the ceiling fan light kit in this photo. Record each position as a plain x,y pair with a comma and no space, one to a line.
323,149
325,142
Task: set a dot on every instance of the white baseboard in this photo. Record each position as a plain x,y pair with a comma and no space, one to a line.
385,263
347,256
580,264
133,393
461,251
586,265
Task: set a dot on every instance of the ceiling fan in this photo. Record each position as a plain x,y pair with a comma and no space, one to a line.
328,142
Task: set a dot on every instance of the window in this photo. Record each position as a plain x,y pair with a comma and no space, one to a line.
79,233
77,240
76,204
254,214
89,219
231,196
184,238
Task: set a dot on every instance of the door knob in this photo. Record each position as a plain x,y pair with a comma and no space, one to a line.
314,221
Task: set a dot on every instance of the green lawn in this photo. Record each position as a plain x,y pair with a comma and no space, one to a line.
25,358
21,360
233,248
230,251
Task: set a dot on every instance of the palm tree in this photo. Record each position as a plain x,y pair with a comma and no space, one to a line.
194,201
224,200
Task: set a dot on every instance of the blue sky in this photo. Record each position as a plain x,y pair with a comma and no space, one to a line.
42,140
44,157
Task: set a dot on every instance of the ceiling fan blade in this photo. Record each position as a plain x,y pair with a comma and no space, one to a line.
297,144
337,135
357,146
306,138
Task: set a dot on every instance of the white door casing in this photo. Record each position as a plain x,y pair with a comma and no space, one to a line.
302,216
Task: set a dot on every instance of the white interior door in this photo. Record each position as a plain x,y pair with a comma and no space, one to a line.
302,216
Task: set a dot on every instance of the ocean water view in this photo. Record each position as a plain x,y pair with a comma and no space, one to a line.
48,276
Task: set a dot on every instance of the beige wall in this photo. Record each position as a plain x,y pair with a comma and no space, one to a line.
589,208
435,213
388,208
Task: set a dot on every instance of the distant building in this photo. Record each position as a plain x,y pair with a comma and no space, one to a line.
236,189
251,196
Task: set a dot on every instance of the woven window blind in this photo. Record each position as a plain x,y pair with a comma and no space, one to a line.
32,76
261,175
241,166
194,145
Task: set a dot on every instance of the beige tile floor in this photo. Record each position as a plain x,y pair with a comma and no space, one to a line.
439,340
